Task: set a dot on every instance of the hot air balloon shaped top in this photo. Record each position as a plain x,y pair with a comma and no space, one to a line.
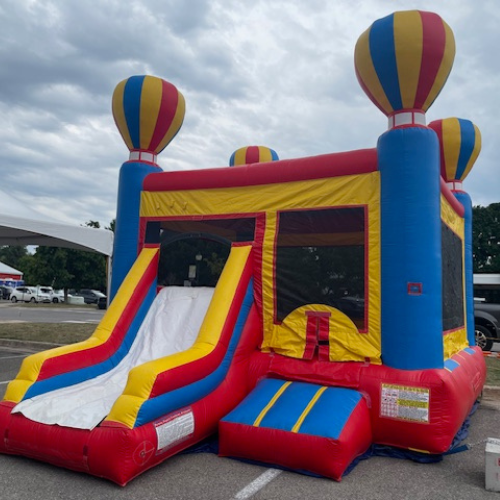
252,154
460,145
402,62
148,112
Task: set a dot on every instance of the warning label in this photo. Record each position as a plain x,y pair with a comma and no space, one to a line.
405,403
174,429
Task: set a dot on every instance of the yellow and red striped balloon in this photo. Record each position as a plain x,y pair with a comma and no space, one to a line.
403,60
460,145
252,154
148,112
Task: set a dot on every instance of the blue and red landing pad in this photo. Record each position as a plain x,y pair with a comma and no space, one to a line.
300,426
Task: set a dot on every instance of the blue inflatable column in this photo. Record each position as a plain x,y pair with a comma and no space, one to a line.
126,241
466,202
402,62
412,325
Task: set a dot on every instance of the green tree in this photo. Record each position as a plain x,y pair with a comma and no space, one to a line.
12,255
49,267
486,238
87,268
66,268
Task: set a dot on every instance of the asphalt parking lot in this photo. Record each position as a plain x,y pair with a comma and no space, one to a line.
207,476
48,313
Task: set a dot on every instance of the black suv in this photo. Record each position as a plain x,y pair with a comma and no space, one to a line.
487,323
90,296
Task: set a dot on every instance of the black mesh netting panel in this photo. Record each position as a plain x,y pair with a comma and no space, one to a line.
453,295
320,259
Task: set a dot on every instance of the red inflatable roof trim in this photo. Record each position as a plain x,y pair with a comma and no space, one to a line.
299,169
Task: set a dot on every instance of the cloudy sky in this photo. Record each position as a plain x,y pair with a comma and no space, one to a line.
269,72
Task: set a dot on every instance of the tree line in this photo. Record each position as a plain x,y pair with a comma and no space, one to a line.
486,238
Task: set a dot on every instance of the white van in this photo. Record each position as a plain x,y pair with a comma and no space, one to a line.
29,294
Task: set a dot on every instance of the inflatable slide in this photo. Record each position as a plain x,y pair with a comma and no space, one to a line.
149,374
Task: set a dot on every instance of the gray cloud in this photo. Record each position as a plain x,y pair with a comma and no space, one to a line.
271,73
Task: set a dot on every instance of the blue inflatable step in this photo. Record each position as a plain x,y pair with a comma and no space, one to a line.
300,426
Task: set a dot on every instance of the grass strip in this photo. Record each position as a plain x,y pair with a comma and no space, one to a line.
57,333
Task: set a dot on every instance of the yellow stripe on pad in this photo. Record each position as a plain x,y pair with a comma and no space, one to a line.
308,408
271,403
32,365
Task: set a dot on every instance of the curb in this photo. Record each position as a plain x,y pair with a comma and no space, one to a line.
491,391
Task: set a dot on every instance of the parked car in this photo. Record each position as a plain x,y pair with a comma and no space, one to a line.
29,294
90,296
48,290
5,292
59,294
486,323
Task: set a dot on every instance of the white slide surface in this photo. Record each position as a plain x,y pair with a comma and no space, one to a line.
170,326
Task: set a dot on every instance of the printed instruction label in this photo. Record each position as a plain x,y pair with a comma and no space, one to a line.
174,429
405,403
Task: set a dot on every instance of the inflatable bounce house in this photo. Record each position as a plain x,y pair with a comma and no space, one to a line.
343,316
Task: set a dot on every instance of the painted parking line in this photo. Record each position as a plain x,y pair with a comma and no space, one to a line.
251,489
5,382
82,322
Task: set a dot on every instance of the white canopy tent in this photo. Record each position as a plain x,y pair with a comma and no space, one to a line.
24,232
31,228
